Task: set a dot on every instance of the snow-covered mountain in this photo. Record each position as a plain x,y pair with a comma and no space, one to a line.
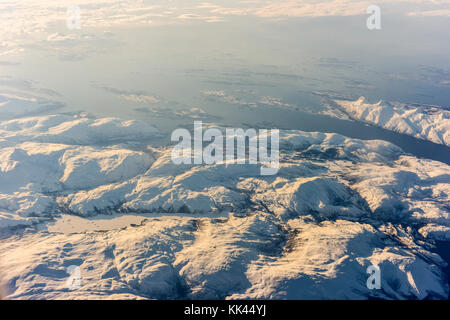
336,206
13,105
423,122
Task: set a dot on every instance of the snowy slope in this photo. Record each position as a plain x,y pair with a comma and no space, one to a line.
13,105
423,122
336,206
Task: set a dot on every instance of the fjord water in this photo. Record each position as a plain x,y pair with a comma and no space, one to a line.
244,60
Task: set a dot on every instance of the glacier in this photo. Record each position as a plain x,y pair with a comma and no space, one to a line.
219,231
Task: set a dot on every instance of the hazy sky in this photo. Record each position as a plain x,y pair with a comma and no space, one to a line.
26,21
182,59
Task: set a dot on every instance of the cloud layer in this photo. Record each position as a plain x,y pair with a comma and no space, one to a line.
31,21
